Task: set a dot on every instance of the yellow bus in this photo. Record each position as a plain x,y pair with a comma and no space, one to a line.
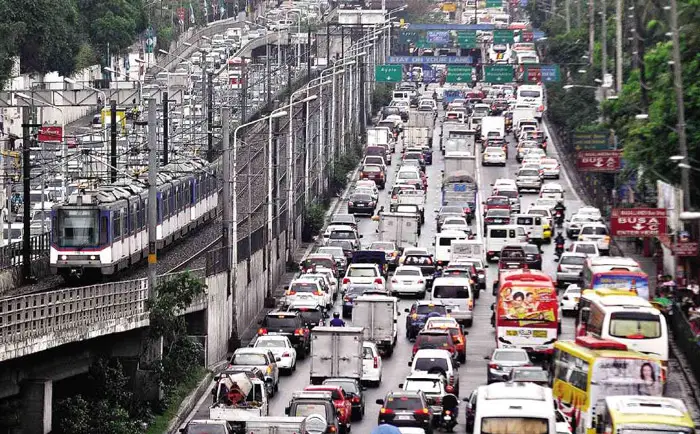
588,370
644,414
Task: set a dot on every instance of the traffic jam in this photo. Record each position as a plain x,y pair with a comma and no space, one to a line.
462,287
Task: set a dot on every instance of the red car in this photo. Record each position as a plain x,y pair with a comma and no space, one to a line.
342,403
375,173
496,202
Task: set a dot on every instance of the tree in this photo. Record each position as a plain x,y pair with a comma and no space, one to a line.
112,23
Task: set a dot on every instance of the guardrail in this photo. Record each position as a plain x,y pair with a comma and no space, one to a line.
11,254
685,339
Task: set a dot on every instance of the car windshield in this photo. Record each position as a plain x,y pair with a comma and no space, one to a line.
455,221
303,287
248,359
205,428
403,403
588,249
497,201
334,251
514,425
407,272
371,169
407,175
347,386
428,363
304,410
509,193
530,375
451,210
498,213
382,246
362,272
528,172
594,230
309,315
511,356
280,321
425,309
270,343
425,386
360,197
343,235
451,291
438,341
573,260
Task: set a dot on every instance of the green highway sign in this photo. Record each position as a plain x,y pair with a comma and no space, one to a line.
388,73
408,36
467,39
422,43
503,37
592,140
498,73
459,74
494,3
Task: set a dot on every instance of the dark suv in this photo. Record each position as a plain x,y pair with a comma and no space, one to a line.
419,313
305,403
289,324
405,408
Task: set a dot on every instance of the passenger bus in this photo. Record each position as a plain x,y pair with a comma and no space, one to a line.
527,312
514,408
644,414
630,320
615,272
586,371
533,96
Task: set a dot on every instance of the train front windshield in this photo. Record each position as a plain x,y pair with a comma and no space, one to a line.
78,228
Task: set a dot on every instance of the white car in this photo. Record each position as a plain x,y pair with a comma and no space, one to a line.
282,349
589,248
455,224
597,232
590,211
550,167
368,184
408,279
546,202
570,298
366,274
440,322
307,289
552,190
494,155
505,182
328,276
371,364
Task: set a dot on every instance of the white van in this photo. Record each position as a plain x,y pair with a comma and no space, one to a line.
533,225
443,245
502,406
498,236
456,293
598,232
552,190
401,95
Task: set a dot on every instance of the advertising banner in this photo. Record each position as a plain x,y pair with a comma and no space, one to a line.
527,304
638,282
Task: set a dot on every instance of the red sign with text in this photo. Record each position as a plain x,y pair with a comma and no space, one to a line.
686,249
598,161
638,222
50,134
527,36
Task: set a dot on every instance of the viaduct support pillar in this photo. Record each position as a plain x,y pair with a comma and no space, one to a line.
37,397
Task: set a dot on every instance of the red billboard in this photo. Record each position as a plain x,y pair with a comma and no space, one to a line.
50,134
598,161
638,222
686,249
527,36
525,303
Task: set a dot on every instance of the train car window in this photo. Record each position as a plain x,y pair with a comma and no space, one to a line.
166,204
117,225
104,230
173,207
134,221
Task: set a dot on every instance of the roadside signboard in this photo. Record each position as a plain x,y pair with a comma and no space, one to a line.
638,222
408,36
591,140
459,74
503,36
498,73
467,39
388,73
449,7
527,36
686,249
538,74
598,161
447,60
437,37
494,4
50,134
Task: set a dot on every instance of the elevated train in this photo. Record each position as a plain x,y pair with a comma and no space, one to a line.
98,233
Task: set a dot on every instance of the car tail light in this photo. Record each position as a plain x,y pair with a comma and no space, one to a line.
394,281
378,280
317,293
331,428
467,210
363,175
394,196
376,362
422,412
291,292
494,366
421,281
356,399
350,203
385,410
371,203
346,280
262,331
347,299
470,304
559,269
299,332
540,108
452,379
285,354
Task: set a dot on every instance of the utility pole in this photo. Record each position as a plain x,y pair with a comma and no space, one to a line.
604,43
166,133
113,139
27,203
152,201
567,11
591,30
618,46
227,202
210,117
362,111
680,106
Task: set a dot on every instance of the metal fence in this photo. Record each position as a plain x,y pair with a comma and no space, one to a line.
686,339
40,314
217,260
11,254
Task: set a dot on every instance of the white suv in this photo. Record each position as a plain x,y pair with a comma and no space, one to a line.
437,362
597,232
366,274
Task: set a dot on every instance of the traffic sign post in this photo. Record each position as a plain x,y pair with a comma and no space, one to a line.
467,39
503,36
408,36
592,140
388,73
459,74
686,249
50,134
541,74
638,222
498,73
598,161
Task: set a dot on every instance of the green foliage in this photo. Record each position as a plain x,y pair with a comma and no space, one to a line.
166,35
571,109
314,216
86,57
422,12
381,96
113,22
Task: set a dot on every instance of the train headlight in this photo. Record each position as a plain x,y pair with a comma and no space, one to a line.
64,257
93,257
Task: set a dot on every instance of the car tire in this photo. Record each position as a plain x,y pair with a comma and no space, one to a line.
462,358
421,295
469,322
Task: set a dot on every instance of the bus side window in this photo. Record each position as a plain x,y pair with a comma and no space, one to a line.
511,233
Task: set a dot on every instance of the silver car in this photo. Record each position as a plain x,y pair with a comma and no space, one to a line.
569,268
528,179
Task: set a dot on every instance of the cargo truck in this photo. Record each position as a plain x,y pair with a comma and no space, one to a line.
425,120
401,228
336,352
238,398
493,128
378,315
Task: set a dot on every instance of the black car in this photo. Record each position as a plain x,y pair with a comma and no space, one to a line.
311,315
448,211
360,203
354,390
288,324
406,409
426,265
390,110
496,216
533,257
347,246
377,257
344,219
354,290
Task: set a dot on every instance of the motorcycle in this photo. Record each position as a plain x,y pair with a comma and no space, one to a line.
559,248
559,218
448,417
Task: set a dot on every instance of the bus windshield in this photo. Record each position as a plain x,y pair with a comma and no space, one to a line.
635,325
514,425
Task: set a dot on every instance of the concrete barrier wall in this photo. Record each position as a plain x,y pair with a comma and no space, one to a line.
219,318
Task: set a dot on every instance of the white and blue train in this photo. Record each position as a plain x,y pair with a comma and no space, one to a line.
100,232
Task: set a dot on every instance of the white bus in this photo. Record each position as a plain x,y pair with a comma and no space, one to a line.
630,320
516,408
533,96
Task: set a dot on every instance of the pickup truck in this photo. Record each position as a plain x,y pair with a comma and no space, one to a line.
413,197
238,398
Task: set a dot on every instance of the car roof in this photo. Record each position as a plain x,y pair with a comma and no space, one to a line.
429,302
580,255
432,354
279,313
